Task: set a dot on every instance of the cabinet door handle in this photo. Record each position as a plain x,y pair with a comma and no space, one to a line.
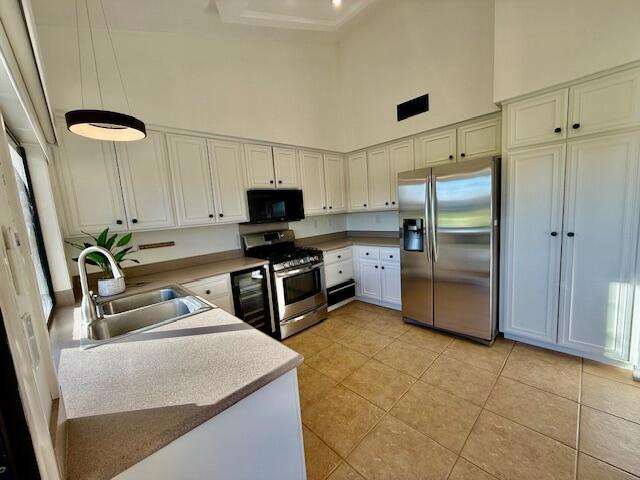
376,266
340,272
390,256
366,253
451,156
571,234
382,267
279,181
119,222
339,256
211,215
208,292
221,215
393,203
135,220
330,207
386,203
554,234
557,130
462,155
575,126
270,181
364,204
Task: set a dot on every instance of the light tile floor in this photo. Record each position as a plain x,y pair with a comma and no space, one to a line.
382,399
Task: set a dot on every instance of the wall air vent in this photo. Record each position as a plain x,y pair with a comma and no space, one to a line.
413,107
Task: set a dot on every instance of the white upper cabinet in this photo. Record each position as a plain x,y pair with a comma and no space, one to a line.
537,120
145,175
193,189
286,167
600,245
400,160
228,181
358,184
435,148
336,188
91,184
479,139
605,104
533,240
313,183
378,178
260,172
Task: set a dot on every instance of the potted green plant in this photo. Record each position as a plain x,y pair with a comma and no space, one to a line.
119,248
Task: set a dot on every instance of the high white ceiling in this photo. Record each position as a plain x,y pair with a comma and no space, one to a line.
203,15
299,14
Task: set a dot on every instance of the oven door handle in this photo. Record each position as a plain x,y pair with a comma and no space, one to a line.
291,273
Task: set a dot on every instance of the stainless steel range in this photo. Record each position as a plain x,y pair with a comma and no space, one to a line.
297,277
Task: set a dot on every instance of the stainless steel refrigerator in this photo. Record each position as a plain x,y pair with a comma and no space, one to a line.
449,246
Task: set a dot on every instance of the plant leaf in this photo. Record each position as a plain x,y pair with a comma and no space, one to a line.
86,245
102,238
110,241
98,258
131,260
89,235
124,240
75,245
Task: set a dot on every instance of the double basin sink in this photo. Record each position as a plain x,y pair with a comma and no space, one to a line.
136,313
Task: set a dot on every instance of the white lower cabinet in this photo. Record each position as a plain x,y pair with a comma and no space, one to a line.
572,241
378,275
216,290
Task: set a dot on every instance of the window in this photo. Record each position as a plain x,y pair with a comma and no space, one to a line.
36,243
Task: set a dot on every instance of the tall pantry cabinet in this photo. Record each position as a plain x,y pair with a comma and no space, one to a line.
572,216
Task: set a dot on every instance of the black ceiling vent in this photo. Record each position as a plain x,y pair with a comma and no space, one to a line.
413,107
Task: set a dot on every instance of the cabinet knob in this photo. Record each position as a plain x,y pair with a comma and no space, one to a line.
386,203
211,215
376,266
279,181
554,234
557,130
339,256
135,220
451,156
324,207
575,126
340,272
208,292
330,207
270,181
571,234
366,253
221,215
364,204
462,155
390,256
119,222
382,267
393,203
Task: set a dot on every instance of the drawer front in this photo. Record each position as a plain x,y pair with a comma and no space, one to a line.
390,255
338,272
209,288
369,253
335,256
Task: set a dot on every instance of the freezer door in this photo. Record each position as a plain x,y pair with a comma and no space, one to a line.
415,249
464,210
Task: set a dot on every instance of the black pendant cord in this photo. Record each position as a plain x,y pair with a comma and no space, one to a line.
93,51
79,54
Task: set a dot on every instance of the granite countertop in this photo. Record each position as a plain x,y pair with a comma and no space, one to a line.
127,399
334,244
191,274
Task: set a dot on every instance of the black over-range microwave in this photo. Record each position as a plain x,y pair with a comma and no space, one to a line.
280,205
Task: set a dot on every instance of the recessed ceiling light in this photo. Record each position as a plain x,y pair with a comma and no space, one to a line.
336,3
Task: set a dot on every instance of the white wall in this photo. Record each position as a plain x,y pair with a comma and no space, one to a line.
406,48
230,80
190,242
373,221
541,43
319,225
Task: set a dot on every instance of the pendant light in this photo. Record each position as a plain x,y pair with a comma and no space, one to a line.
102,124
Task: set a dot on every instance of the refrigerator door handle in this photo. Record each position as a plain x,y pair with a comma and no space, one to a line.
433,219
426,227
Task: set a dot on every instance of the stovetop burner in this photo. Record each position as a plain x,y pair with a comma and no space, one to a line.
279,248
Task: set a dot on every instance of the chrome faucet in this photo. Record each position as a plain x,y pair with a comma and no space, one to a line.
88,307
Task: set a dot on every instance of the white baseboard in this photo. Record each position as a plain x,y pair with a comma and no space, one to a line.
340,304
393,306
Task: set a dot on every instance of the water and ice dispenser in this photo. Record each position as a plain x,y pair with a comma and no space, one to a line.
413,234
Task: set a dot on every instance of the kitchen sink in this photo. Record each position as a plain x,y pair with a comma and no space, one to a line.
139,300
136,313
